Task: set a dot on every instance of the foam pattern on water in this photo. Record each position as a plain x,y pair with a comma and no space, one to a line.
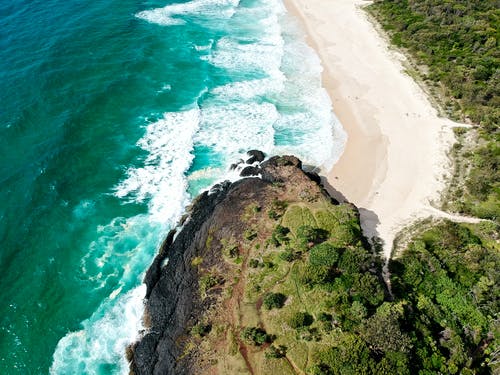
172,14
99,347
161,181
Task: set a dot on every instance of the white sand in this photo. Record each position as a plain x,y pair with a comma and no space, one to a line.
395,158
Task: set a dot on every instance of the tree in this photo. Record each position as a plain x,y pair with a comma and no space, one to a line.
383,333
300,319
274,301
255,335
324,254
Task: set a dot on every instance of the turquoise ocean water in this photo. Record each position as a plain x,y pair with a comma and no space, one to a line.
113,115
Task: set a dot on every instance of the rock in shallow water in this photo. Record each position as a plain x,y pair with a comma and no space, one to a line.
255,156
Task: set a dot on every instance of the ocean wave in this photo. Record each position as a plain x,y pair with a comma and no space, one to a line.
233,128
99,347
169,15
161,181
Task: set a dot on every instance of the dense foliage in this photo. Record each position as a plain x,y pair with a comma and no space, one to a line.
442,319
449,285
457,42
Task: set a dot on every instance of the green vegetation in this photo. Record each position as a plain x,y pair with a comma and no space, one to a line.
300,319
274,301
457,42
277,209
276,352
255,336
449,276
206,282
201,329
323,254
440,319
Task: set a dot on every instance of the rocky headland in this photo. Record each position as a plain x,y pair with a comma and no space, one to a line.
270,275
210,276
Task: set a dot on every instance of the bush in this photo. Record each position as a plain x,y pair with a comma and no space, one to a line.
277,209
230,250
300,319
354,260
280,235
201,329
206,282
308,234
253,263
324,254
249,234
274,301
325,317
312,275
273,214
275,352
255,335
289,256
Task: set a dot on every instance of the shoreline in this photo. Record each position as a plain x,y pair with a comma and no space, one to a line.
395,162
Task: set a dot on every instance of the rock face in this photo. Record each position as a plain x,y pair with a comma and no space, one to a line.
171,295
255,156
173,300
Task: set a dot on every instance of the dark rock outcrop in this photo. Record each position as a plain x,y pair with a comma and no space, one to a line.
255,156
250,171
172,290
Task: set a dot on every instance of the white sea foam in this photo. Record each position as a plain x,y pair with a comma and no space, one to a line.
161,181
172,14
99,347
233,128
124,248
251,89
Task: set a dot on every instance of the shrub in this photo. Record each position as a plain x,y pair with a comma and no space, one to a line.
300,319
255,335
307,234
274,301
312,275
311,334
201,329
277,209
325,317
230,248
206,282
196,261
273,214
280,235
289,256
249,234
253,263
275,352
324,254
354,260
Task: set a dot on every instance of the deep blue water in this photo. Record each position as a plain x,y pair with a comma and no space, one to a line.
113,115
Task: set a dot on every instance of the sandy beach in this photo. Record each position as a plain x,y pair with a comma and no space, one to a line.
395,160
